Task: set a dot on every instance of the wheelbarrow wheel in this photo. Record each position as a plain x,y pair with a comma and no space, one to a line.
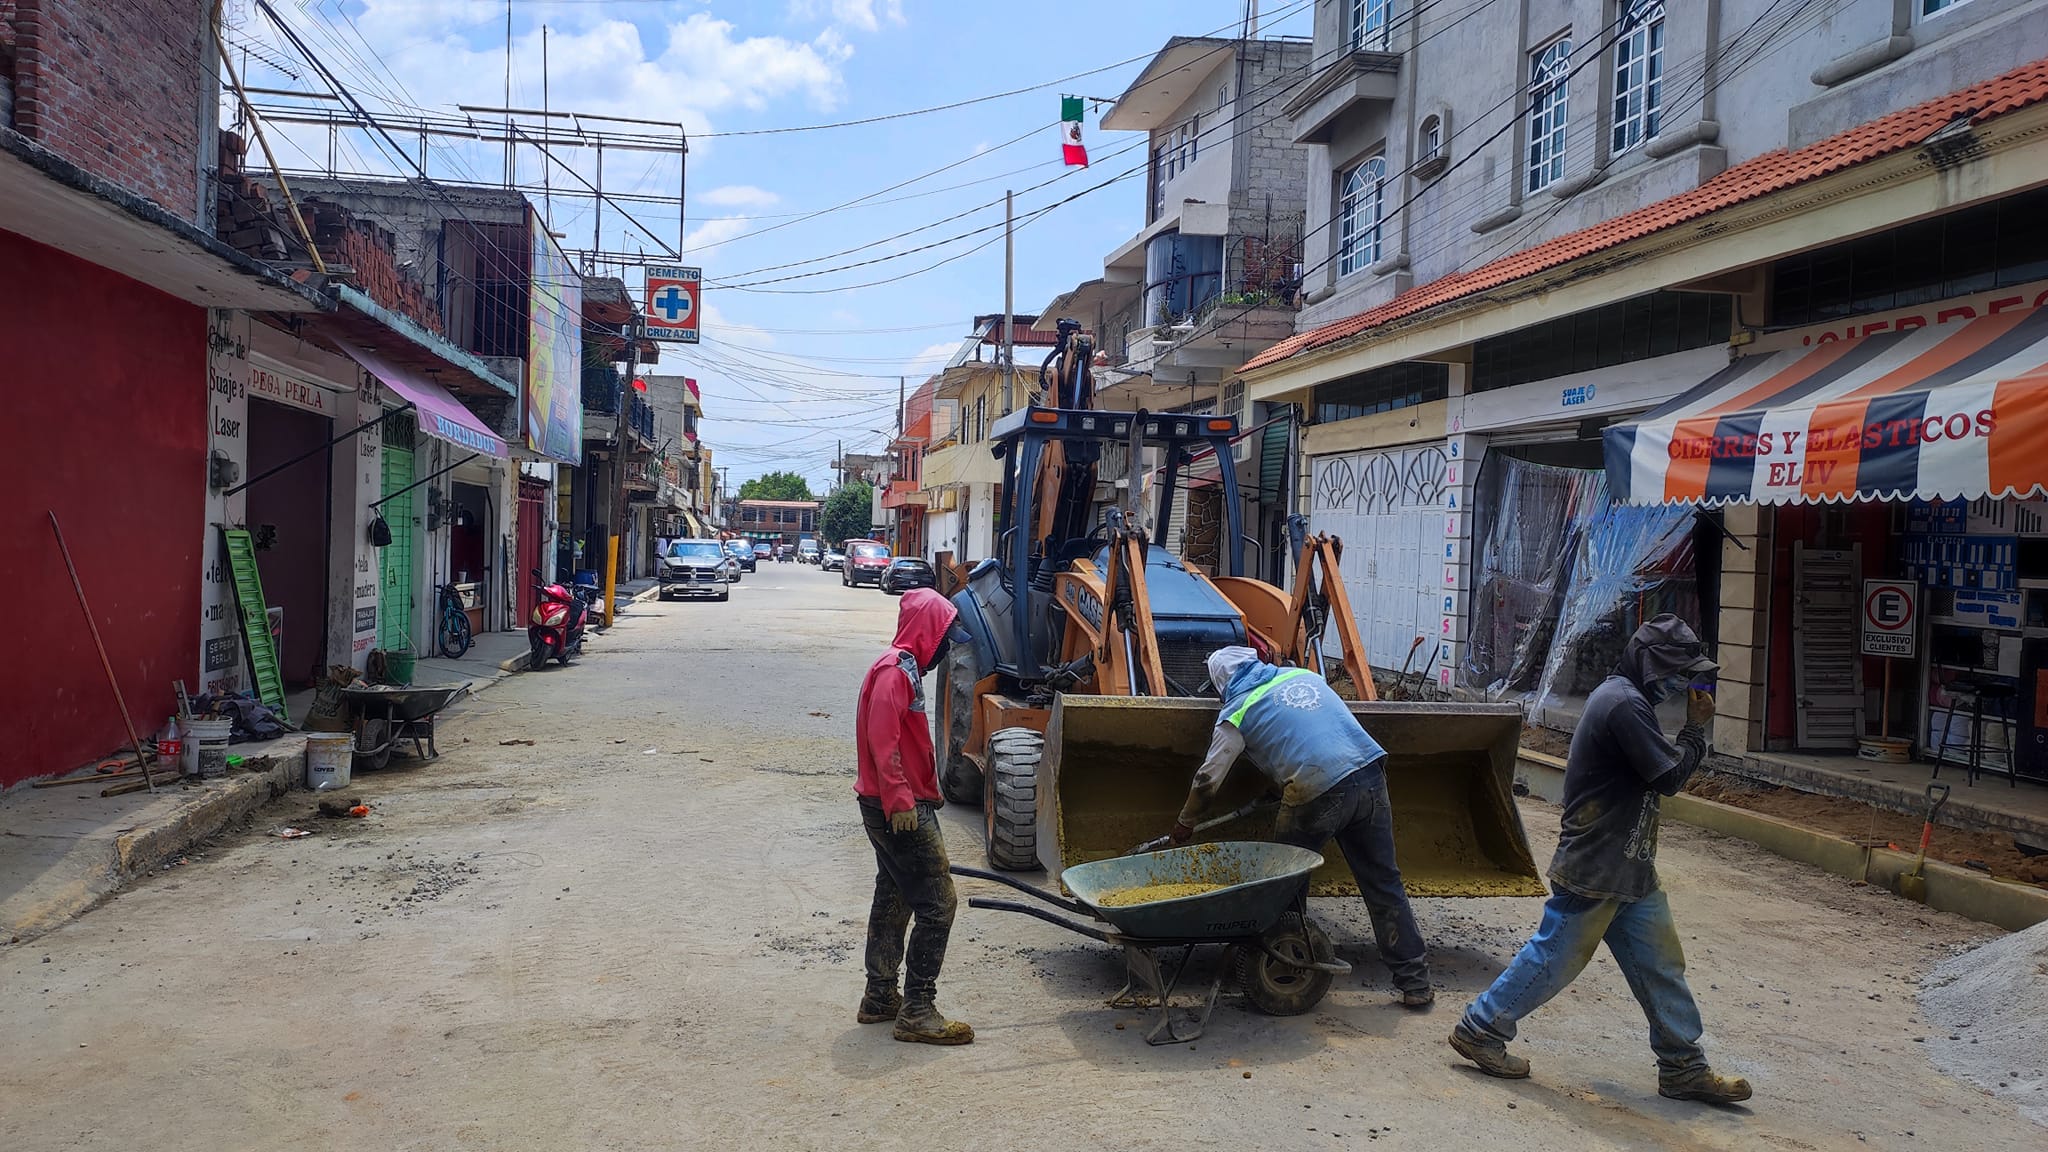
373,742
1279,989
1010,798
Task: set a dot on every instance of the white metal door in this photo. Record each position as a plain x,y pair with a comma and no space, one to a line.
1387,506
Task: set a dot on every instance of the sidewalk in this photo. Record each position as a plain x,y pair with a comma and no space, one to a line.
492,657
65,848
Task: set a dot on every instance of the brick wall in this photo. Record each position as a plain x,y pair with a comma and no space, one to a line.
118,87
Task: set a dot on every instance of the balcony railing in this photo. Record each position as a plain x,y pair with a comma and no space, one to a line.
602,386
640,418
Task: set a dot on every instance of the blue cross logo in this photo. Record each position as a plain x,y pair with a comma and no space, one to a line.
673,303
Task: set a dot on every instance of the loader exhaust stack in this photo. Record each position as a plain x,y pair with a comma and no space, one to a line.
1117,769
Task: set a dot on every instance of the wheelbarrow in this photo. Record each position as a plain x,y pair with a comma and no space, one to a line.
1258,915
384,716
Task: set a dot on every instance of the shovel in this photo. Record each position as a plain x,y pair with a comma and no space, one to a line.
1912,884
1204,826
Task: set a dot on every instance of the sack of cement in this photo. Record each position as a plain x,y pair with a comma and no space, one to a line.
330,712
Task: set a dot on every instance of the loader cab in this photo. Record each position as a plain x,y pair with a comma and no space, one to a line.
1009,603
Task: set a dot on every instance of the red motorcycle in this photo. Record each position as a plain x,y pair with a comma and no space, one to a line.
556,627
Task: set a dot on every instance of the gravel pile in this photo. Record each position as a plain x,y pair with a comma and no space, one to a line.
1989,1009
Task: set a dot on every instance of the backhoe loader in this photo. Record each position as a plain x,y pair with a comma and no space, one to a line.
1078,710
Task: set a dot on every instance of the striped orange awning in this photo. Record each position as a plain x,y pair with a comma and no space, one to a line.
1935,413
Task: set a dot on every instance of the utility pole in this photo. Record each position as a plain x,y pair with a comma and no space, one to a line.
901,412
619,452
839,461
1009,304
547,169
511,169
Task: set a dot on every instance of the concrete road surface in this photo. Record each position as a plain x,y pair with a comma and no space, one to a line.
643,930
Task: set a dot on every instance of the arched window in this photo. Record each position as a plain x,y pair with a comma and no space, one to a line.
1360,204
1638,75
1549,73
1429,139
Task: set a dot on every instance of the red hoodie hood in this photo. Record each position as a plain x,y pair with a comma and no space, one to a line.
921,622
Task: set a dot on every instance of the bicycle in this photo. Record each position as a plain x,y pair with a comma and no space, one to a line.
453,636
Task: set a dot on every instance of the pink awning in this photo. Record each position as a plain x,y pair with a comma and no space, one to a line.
441,415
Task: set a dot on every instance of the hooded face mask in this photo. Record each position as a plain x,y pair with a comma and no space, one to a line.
939,653
1662,657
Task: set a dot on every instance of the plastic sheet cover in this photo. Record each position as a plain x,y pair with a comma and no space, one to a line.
1633,563
1530,519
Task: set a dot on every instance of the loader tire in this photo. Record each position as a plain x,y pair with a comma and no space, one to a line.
1010,799
1281,989
959,777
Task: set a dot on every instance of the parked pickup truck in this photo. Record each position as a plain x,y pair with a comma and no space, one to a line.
697,568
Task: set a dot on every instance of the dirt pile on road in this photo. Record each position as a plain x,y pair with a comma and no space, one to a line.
1990,1009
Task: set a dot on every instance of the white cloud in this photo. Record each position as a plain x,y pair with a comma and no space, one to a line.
706,237
930,358
866,15
738,196
448,54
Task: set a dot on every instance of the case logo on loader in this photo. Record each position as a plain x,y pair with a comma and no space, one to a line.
1084,602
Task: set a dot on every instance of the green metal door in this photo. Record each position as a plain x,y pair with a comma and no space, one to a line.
395,584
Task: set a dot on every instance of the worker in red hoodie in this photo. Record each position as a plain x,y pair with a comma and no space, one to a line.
898,790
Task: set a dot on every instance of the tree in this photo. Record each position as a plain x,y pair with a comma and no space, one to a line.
776,486
849,512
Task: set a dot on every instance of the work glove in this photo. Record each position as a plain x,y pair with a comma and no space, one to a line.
1180,835
1699,706
903,821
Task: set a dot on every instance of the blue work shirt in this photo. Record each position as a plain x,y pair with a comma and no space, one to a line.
1295,728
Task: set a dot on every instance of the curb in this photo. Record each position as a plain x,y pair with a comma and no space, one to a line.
143,848
197,817
1965,892
199,814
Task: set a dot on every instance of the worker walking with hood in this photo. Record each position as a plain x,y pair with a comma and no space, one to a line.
1332,782
1604,874
897,786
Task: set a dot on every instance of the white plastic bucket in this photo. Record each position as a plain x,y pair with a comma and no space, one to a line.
206,747
328,757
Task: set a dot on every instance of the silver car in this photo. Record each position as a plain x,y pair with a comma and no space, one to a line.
697,568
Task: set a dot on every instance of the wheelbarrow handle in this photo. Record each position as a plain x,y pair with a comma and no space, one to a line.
1075,907
1087,930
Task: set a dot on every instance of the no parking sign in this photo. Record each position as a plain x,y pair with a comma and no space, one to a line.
1891,617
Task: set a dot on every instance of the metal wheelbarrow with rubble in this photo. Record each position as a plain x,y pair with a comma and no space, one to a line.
385,715
1248,898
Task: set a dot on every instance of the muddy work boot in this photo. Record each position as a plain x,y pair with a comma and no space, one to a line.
920,1023
879,1006
1705,1085
1493,1058
1418,998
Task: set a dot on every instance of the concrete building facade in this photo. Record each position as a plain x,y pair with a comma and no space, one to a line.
1509,266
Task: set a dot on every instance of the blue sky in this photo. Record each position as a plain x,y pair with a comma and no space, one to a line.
780,389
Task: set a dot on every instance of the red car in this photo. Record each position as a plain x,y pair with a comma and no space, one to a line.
866,560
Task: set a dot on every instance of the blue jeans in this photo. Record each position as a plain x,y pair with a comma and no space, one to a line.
1355,811
1644,943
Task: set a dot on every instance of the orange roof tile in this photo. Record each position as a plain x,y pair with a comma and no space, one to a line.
1768,173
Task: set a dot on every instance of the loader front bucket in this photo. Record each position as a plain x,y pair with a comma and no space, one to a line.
1117,769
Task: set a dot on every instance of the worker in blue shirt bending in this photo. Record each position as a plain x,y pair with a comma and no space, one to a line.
1332,781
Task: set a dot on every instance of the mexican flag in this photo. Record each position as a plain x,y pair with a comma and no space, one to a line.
1070,131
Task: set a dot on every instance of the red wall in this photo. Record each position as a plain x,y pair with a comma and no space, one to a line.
110,433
